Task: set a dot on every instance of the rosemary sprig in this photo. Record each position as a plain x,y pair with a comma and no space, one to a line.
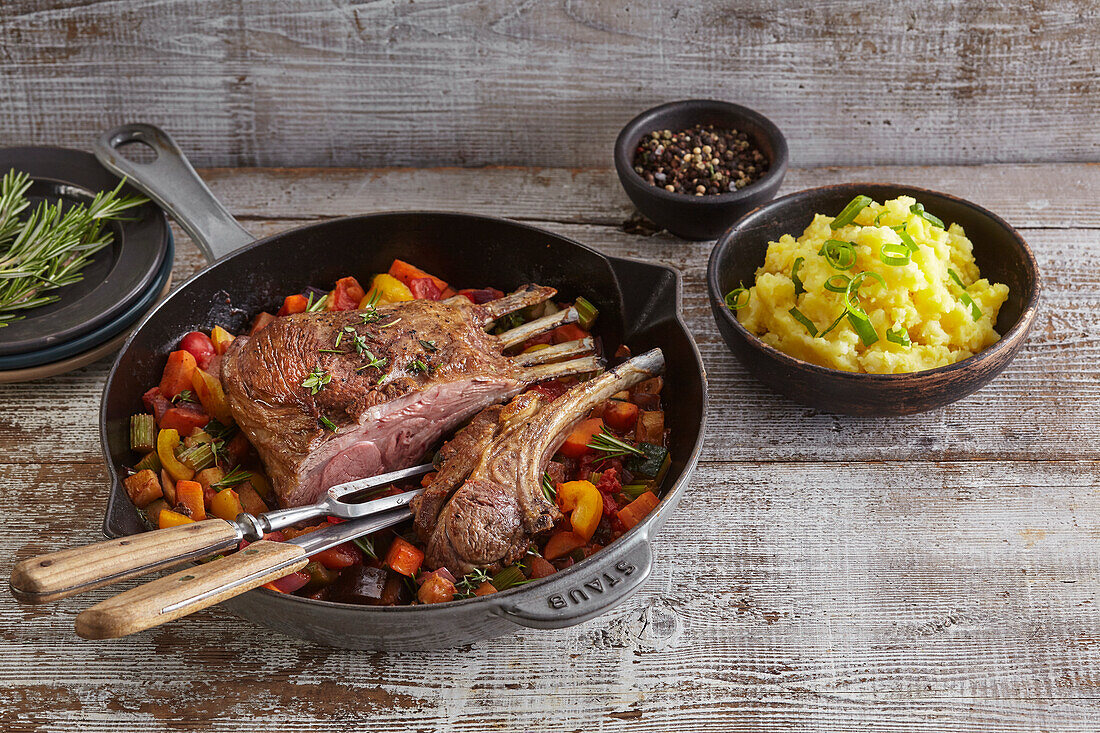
312,307
548,487
605,442
231,479
328,423
185,396
366,544
317,380
49,248
429,345
418,367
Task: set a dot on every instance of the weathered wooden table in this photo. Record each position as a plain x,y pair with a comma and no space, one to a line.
823,573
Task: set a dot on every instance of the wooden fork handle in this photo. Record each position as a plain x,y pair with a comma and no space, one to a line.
68,572
187,591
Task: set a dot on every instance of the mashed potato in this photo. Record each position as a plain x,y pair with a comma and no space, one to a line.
921,318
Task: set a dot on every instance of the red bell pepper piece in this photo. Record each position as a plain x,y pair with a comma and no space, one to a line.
339,557
424,288
183,418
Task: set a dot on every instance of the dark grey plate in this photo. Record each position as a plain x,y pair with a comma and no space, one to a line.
116,278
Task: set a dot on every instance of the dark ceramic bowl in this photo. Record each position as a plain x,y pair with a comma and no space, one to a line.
1001,254
687,215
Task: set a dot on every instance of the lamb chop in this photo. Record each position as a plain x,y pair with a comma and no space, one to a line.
333,396
486,504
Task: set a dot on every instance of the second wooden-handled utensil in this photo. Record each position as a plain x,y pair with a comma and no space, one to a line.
68,572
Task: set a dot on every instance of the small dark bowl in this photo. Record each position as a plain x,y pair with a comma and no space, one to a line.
1000,252
687,215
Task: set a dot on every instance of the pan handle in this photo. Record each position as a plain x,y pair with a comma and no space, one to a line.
173,183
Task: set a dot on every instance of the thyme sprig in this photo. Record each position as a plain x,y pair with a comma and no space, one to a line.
317,380
470,583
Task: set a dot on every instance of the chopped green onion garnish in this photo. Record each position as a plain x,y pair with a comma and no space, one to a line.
835,323
509,577
849,213
881,214
908,240
587,313
897,336
734,296
143,429
810,327
839,254
967,300
328,423
799,288
863,327
895,255
853,307
837,283
918,209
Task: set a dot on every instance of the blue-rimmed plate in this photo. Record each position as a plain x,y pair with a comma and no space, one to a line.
116,279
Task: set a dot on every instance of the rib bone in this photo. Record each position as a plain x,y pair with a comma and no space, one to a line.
565,350
492,516
519,334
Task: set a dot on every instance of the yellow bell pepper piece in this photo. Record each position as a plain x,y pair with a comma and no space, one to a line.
388,289
226,505
167,440
221,339
584,504
210,393
168,518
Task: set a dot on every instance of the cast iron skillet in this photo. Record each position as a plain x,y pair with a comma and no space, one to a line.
639,304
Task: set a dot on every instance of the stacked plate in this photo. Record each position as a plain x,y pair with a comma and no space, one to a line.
121,284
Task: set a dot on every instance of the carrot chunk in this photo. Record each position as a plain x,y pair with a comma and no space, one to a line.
189,494
576,445
404,557
177,373
637,510
406,273
561,544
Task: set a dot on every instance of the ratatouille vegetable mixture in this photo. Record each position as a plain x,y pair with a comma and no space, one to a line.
192,463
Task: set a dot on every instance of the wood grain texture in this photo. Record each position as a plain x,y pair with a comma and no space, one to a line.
550,82
823,573
74,570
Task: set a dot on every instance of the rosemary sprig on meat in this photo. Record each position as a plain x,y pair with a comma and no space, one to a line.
49,248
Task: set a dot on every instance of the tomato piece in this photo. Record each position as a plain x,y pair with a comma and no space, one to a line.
481,295
183,418
339,557
538,567
199,345
561,544
346,296
424,288
620,416
293,304
568,332
576,445
177,373
406,273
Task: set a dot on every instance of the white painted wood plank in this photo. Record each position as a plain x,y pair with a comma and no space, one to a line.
938,596
305,82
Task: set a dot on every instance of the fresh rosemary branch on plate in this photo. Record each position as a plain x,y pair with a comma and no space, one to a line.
49,248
